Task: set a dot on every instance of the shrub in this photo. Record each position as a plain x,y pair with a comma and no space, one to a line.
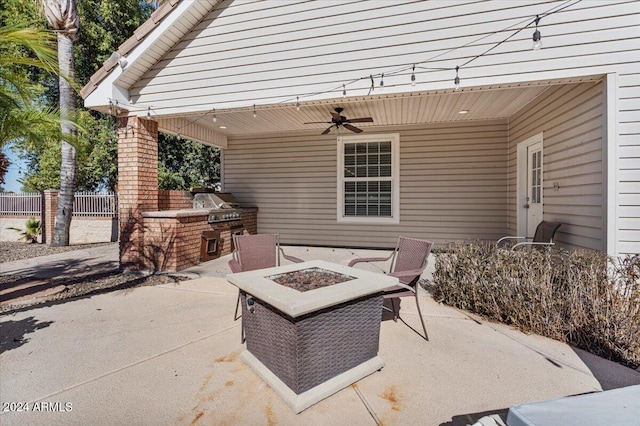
31,231
581,297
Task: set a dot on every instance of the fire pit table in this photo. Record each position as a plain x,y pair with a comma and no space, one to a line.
311,328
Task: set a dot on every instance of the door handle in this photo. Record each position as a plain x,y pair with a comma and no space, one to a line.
526,206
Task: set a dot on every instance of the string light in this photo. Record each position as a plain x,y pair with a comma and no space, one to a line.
179,136
537,37
297,103
148,113
110,107
215,117
118,109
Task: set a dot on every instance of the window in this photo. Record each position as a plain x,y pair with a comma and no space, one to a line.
368,183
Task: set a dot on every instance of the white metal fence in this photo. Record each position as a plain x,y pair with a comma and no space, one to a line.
28,204
95,204
87,204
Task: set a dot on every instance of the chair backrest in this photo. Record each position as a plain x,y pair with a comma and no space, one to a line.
545,232
256,251
410,254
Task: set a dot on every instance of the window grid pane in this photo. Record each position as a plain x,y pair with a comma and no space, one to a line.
367,173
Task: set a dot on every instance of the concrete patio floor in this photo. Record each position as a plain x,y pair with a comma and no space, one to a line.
170,355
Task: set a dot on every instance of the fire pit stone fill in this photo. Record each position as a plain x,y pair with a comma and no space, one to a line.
309,344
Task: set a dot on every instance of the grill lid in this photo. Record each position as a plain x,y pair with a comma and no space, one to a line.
217,200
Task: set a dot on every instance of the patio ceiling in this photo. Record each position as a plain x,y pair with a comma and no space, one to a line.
482,103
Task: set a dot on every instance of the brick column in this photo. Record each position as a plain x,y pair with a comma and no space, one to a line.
49,209
137,185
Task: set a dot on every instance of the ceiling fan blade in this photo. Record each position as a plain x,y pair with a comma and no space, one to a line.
352,128
319,122
360,120
326,131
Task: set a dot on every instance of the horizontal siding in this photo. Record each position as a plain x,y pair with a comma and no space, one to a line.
247,52
452,185
628,151
570,118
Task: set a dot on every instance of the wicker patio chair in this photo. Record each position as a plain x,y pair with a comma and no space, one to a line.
543,237
253,252
409,260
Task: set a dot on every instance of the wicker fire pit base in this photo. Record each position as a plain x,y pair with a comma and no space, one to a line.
308,340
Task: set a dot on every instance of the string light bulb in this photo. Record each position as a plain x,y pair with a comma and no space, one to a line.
179,136
456,81
537,37
344,91
110,107
255,113
382,82
118,109
148,113
215,117
297,103
413,75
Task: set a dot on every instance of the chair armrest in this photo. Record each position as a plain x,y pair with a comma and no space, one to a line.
511,238
404,286
370,259
234,265
291,258
406,274
531,243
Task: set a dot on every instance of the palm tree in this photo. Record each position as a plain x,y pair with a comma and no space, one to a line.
20,116
63,17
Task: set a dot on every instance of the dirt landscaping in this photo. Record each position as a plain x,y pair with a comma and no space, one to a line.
12,287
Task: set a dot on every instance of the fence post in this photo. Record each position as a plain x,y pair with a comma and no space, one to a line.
49,208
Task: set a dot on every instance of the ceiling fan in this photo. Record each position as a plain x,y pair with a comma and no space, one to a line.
338,120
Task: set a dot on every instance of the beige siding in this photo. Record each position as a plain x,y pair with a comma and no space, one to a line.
570,118
628,189
267,52
452,185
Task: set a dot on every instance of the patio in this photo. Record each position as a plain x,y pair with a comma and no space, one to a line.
170,355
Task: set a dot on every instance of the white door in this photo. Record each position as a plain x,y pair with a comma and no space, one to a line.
533,204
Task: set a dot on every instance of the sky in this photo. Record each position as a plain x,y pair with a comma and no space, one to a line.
11,183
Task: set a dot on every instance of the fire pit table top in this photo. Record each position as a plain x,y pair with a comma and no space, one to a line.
296,303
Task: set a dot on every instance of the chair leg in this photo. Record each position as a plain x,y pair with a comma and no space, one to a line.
395,309
426,336
235,315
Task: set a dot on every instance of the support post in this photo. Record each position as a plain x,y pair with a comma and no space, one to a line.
137,185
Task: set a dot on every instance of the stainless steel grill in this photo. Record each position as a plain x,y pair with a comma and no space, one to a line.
222,206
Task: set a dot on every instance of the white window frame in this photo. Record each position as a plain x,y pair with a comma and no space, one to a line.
395,178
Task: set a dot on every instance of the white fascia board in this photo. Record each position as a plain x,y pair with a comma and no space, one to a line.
108,89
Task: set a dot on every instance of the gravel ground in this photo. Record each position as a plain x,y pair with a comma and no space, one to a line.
10,251
71,287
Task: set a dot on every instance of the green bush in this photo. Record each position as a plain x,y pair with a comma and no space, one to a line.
31,231
581,297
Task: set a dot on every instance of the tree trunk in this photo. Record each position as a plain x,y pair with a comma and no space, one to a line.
68,166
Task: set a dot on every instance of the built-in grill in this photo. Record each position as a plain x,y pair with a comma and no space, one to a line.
222,205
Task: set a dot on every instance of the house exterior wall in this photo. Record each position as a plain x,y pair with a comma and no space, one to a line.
452,185
267,53
571,120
